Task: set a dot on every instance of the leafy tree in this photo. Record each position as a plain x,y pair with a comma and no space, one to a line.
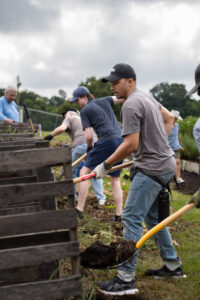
173,96
56,101
62,94
67,105
2,92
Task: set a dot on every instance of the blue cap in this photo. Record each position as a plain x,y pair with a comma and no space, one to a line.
78,92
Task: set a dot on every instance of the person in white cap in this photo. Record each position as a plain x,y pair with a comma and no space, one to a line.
175,143
196,89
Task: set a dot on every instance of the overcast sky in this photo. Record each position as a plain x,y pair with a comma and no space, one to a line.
53,44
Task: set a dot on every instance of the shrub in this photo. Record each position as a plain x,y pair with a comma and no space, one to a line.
186,126
190,149
186,133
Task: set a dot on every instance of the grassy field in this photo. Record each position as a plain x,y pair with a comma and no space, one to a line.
185,234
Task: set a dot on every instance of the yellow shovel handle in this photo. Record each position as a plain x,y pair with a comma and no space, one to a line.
79,159
163,224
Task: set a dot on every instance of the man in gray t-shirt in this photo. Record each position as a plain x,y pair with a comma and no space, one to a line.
145,126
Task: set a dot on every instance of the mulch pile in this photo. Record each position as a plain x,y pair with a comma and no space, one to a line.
191,184
98,255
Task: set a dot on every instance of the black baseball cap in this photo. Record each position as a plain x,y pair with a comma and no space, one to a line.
120,71
197,81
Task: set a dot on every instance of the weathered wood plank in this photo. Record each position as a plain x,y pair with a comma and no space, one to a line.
16,180
21,257
49,202
29,274
11,146
20,209
11,139
51,289
34,158
16,135
43,221
16,125
25,192
15,130
19,147
41,144
34,239
21,142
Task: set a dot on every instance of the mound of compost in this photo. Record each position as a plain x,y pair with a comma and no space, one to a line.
99,256
191,184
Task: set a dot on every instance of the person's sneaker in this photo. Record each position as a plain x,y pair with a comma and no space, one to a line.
165,272
116,219
79,214
117,287
180,180
102,201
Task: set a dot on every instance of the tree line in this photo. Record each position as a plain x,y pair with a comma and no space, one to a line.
172,96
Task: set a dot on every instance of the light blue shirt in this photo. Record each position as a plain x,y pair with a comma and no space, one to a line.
8,110
196,133
173,138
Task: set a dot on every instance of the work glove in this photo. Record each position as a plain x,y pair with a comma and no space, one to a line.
48,137
196,199
102,170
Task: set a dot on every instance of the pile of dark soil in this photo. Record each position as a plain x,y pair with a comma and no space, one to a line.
99,256
191,184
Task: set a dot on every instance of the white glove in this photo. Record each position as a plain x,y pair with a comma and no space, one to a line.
100,171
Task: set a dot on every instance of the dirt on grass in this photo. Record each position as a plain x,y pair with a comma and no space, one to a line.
191,184
98,255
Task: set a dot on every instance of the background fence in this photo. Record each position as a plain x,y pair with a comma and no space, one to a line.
48,121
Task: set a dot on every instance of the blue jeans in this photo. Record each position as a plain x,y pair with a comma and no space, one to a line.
142,206
97,185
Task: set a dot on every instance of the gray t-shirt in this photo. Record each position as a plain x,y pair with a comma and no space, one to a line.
74,129
141,113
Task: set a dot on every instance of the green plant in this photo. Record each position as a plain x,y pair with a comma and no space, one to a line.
186,126
190,148
187,139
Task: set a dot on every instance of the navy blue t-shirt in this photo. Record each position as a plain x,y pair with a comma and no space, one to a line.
99,114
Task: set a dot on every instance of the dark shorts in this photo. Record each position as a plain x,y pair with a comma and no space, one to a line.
101,151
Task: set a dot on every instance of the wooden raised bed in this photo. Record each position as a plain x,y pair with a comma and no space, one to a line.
34,235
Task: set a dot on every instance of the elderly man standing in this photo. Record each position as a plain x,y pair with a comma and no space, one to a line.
8,108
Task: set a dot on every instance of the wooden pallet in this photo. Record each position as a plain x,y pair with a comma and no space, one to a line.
34,241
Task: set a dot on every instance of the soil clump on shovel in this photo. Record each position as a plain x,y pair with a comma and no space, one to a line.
99,256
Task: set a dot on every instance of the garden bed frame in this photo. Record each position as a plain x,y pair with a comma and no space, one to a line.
34,234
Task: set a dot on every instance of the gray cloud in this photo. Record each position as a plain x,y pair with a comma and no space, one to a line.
64,42
22,15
